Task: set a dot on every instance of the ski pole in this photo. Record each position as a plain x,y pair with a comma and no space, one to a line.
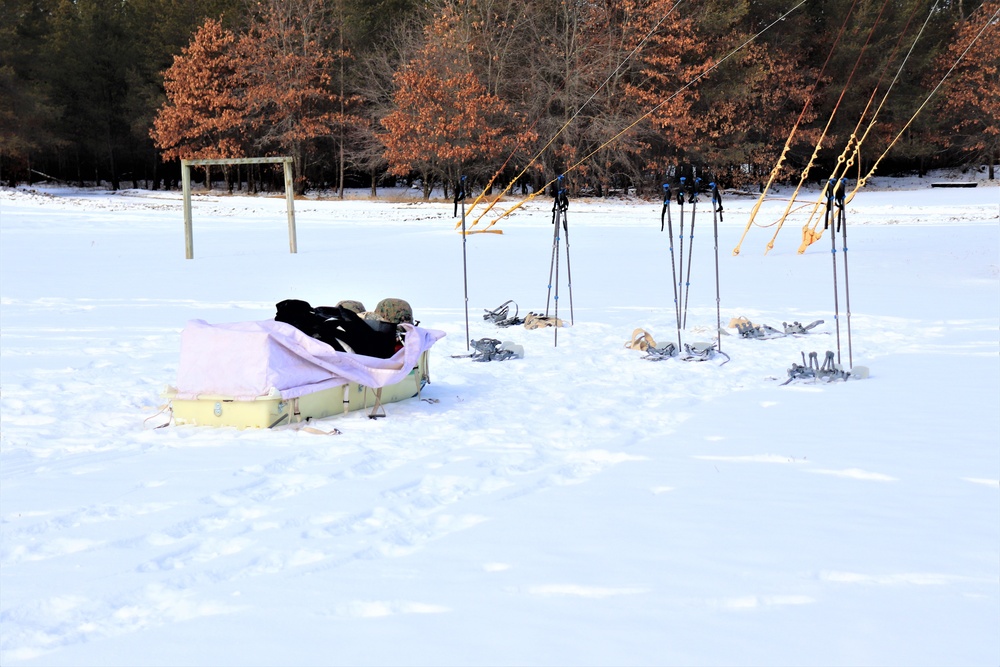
569,271
833,246
460,197
680,238
716,217
847,286
673,267
563,203
693,199
559,205
555,243
666,203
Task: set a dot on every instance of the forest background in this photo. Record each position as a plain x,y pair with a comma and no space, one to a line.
621,94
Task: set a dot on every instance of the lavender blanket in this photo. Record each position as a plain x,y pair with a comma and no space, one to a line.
246,360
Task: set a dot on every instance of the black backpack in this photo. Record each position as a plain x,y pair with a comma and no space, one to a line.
339,327
300,315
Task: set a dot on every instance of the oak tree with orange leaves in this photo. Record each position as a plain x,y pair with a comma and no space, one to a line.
667,87
287,65
269,91
445,120
203,114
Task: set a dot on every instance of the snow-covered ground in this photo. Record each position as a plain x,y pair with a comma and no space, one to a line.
580,506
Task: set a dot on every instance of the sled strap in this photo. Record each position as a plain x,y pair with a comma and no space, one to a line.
377,410
166,407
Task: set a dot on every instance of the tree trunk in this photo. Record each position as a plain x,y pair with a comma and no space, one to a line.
340,161
299,187
340,167
111,161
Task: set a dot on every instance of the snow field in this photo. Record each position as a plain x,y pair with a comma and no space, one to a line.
579,506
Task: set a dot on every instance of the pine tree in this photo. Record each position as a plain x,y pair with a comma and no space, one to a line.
28,117
89,52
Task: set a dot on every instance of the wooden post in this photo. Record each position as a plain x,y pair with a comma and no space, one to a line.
290,199
186,180
186,185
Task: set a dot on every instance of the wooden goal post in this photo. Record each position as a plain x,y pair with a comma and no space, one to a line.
289,194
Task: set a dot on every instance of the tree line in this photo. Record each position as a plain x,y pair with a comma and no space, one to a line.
617,94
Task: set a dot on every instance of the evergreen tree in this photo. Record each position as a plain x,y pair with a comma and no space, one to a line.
90,51
28,116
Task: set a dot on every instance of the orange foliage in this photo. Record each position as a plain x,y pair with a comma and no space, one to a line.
285,73
970,105
444,116
203,113
268,91
671,60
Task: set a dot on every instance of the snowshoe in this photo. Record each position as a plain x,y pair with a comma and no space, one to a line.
660,353
490,349
703,352
828,371
641,340
536,321
500,315
796,328
760,331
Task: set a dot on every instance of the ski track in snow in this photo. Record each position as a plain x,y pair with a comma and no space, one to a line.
176,540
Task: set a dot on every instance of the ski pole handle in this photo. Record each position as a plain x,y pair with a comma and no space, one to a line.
666,203
716,198
459,194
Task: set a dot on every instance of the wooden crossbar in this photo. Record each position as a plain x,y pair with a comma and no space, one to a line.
289,194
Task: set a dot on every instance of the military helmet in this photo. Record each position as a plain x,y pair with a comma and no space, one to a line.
353,306
395,311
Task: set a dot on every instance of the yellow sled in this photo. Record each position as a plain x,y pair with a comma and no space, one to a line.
272,410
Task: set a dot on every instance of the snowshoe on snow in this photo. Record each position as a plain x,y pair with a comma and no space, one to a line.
828,371
703,352
490,349
500,315
536,321
641,340
660,353
797,328
761,331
